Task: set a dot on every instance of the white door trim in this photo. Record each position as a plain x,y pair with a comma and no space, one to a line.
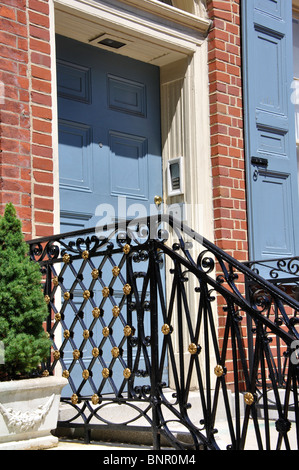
180,50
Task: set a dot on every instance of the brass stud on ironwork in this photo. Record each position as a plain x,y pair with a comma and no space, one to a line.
85,254
219,371
116,311
66,334
95,399
96,312
47,299
57,316
86,294
193,348
95,273
66,258
127,289
95,352
106,292
249,399
115,271
165,329
56,355
105,373
86,334
55,281
106,331
115,352
127,330
85,374
45,373
127,373
65,374
126,249
74,399
66,296
76,354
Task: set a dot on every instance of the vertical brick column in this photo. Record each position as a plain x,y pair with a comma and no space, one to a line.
15,119
26,113
227,145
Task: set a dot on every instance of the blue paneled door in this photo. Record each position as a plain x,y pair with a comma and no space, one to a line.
109,132
110,161
271,164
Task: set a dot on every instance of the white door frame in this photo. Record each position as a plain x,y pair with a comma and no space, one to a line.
175,40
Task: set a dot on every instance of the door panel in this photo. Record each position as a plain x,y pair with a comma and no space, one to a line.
275,192
75,169
129,165
269,129
73,81
127,96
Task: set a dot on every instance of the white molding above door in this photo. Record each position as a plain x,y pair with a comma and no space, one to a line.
157,35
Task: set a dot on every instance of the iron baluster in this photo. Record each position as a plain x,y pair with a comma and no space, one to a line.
155,385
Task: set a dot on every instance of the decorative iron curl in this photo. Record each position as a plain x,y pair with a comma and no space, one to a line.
40,253
91,244
261,300
290,266
205,263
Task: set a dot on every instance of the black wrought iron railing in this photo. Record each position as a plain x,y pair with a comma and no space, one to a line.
284,274
148,323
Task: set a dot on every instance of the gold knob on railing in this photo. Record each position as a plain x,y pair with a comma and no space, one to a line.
158,200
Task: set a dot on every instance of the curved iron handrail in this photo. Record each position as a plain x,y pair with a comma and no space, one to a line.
187,343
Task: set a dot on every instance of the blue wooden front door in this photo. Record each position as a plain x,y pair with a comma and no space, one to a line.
109,133
270,132
109,157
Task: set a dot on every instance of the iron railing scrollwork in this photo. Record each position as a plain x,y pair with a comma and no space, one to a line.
283,273
133,316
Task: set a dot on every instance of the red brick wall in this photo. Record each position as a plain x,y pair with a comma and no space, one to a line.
25,113
226,116
227,145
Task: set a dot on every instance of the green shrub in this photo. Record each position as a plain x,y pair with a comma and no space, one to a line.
22,305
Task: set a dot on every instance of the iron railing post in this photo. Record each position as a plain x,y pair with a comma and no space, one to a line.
154,346
48,323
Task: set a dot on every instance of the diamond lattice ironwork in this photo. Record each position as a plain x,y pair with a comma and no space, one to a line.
121,337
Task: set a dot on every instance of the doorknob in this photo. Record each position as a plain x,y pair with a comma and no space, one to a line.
158,200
